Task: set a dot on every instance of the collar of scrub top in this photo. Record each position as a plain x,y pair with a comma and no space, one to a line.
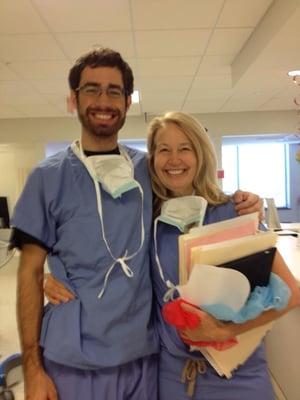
172,289
80,153
89,153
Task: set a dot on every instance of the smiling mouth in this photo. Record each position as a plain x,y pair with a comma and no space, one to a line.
176,171
102,116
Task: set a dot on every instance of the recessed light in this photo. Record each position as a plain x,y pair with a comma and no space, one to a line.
294,73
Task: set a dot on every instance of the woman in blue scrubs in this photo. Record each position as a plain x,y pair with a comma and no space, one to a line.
182,163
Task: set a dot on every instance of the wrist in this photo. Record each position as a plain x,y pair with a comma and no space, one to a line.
32,361
229,330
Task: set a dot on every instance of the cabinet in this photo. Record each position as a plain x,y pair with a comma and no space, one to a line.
283,354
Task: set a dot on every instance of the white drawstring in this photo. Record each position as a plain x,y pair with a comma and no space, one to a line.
169,295
127,271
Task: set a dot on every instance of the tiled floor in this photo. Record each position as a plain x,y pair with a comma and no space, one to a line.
9,342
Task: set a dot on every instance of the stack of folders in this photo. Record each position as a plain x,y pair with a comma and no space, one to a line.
235,243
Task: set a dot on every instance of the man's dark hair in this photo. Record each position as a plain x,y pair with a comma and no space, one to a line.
103,57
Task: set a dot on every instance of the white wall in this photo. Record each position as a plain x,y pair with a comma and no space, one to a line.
52,129
27,139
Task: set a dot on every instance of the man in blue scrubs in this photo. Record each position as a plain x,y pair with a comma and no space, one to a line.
88,210
94,229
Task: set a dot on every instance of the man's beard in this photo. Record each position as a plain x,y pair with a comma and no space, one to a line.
98,129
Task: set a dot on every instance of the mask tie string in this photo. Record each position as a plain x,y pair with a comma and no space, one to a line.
121,260
169,295
126,269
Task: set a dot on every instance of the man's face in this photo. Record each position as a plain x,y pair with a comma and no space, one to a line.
102,115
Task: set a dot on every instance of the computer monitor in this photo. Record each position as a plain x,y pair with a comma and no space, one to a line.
4,213
272,216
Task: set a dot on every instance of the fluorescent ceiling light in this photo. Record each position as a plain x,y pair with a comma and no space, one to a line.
135,97
294,73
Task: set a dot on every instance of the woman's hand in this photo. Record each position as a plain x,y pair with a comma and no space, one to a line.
55,291
209,328
247,203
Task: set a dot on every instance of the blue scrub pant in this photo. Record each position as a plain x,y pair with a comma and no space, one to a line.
249,382
136,380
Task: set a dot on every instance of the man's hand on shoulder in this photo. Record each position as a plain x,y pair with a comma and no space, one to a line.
247,203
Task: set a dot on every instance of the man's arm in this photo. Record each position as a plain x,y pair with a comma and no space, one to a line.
247,203
30,301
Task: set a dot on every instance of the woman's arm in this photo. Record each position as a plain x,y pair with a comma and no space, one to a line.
212,329
55,292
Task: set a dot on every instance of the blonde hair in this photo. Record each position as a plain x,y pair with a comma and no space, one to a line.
205,181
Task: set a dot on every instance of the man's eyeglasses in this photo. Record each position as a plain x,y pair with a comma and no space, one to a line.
113,92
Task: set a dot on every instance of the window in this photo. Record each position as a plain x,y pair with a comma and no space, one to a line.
257,167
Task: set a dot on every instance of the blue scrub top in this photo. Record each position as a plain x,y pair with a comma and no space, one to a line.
58,206
167,245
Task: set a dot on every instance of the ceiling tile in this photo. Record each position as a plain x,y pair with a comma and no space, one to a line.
51,86
171,43
220,64
252,100
76,44
202,106
201,95
168,66
284,98
59,100
6,74
29,47
278,104
85,15
16,93
204,82
228,41
160,104
161,14
19,17
160,84
186,51
238,13
41,69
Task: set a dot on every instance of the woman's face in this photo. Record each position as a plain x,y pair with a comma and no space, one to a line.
175,161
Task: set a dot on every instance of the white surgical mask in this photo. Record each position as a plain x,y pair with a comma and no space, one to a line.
115,173
183,211
180,212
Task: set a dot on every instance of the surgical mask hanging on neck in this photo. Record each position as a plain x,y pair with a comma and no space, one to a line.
183,211
121,183
180,212
114,172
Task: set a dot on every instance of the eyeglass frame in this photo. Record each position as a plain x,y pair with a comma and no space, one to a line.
101,90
